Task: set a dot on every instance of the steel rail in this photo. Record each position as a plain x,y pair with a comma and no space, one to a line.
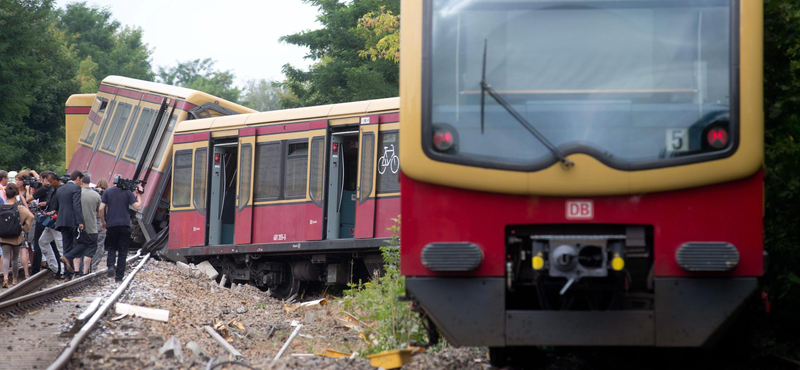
26,286
25,302
66,355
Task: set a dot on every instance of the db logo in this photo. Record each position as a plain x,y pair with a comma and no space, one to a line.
580,210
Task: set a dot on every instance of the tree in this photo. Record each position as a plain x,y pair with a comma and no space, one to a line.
98,39
782,107
263,95
381,33
340,73
37,75
199,74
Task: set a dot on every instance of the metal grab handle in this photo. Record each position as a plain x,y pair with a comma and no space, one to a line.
341,184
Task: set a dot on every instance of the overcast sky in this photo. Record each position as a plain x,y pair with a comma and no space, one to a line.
241,35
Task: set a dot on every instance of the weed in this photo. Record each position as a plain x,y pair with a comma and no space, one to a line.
391,323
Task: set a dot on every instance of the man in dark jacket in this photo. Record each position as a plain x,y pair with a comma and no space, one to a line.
69,222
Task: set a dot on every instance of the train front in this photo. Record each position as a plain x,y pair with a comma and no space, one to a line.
581,173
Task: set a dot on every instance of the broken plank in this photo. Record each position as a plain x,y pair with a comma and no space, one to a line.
228,347
143,312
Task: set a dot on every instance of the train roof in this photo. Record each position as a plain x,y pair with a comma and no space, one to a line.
190,95
330,111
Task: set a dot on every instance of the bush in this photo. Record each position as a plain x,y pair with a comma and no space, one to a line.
391,323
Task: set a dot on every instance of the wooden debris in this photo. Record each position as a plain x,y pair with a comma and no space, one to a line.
333,354
119,317
296,306
71,299
288,341
143,312
222,342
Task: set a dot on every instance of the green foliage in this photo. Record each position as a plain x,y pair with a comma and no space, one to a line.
263,95
340,73
37,75
392,324
782,106
381,33
199,74
97,39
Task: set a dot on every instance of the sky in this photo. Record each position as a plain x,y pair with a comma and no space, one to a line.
241,35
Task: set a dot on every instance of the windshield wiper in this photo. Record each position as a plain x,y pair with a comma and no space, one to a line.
486,88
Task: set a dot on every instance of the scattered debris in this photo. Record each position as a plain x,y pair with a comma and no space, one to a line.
209,271
143,312
120,317
390,359
71,299
306,336
303,355
222,329
333,354
241,310
222,342
293,307
197,349
223,281
171,348
288,341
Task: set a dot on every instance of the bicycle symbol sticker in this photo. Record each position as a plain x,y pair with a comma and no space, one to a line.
388,160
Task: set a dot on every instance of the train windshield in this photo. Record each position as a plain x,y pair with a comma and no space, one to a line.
635,84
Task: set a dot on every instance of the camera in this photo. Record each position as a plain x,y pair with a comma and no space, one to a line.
128,184
64,179
31,182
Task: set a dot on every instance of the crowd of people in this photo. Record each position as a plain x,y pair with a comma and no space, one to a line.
62,223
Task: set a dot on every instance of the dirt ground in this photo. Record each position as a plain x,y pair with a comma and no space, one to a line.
134,343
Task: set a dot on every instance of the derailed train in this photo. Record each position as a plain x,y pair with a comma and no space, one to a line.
574,172
276,199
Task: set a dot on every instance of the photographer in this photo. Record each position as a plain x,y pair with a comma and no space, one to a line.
49,234
67,203
38,204
116,219
101,187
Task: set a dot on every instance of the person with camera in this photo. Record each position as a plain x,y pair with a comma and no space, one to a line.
37,204
15,220
116,219
101,187
69,216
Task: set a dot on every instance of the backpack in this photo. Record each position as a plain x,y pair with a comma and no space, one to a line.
10,225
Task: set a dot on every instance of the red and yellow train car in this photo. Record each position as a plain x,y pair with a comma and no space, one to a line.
283,197
581,172
129,132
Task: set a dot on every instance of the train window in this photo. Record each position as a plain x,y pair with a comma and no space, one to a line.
94,121
165,140
388,163
316,183
296,170
182,178
268,171
367,164
117,126
199,181
245,171
138,139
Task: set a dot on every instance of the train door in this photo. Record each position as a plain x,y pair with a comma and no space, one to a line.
189,194
222,204
365,207
243,231
342,185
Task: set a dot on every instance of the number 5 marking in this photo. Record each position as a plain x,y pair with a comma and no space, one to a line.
677,140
